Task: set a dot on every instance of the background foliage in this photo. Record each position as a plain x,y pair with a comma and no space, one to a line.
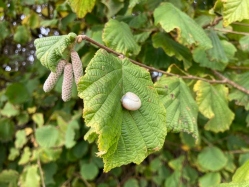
41,137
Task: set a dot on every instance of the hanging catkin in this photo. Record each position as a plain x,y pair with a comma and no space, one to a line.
53,77
77,66
67,83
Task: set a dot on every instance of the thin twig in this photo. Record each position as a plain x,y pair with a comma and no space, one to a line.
229,82
84,180
84,37
242,24
213,23
233,32
238,67
41,171
223,80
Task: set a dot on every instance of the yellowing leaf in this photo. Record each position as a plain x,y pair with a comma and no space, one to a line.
188,31
123,136
242,173
212,102
235,10
82,7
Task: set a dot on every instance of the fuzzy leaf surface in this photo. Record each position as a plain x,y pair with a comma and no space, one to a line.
212,103
118,36
123,136
235,10
180,105
188,31
50,50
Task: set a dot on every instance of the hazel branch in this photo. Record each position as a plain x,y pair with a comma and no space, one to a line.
223,80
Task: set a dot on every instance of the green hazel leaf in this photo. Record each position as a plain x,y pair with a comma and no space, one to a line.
4,30
81,8
123,136
9,110
21,139
70,134
242,173
174,179
216,53
212,103
7,129
8,176
141,37
30,176
241,98
234,184
189,32
47,136
230,163
49,50
212,159
118,36
235,10
89,170
14,153
49,155
17,93
180,105
210,179
49,170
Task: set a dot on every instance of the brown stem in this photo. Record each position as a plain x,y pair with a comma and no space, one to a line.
223,80
231,83
215,22
233,32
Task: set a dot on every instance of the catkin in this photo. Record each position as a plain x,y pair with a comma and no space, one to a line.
67,83
77,66
53,77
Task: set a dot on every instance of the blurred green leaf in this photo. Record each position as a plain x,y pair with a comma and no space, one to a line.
38,119
212,159
112,7
244,43
131,183
4,30
22,118
14,153
22,35
25,156
88,171
17,93
70,134
9,176
177,164
7,129
174,179
21,139
49,170
210,180
47,136
117,35
9,110
30,176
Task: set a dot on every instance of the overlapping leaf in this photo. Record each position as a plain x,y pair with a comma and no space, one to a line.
117,35
188,32
181,108
123,136
212,103
50,50
81,8
242,173
241,98
171,47
212,159
235,10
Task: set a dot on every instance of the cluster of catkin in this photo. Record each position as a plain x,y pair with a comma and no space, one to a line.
71,70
